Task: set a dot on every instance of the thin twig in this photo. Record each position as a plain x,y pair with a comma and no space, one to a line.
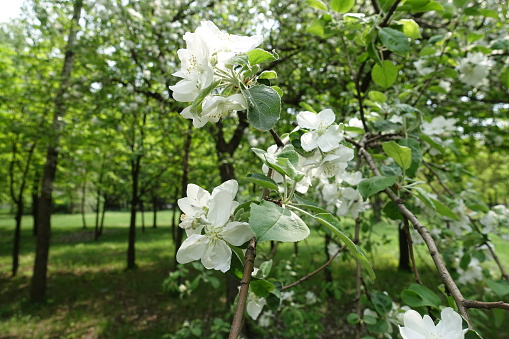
485,304
432,247
309,275
244,288
411,250
358,282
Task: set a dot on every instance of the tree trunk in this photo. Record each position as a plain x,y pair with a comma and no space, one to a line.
102,217
154,209
174,220
131,251
17,238
142,216
38,284
404,256
97,213
35,205
83,204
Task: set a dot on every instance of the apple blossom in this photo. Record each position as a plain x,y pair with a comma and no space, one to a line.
322,133
474,68
449,327
254,305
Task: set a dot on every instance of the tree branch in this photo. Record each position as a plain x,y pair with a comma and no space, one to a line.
485,304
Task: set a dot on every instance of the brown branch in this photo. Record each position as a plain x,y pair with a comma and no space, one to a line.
307,276
244,288
411,250
430,243
485,304
447,189
358,275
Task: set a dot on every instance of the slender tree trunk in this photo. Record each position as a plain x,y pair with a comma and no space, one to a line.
184,182
103,213
38,285
142,216
404,256
83,204
131,251
97,213
154,209
35,205
17,238
174,219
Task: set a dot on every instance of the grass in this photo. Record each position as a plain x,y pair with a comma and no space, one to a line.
91,295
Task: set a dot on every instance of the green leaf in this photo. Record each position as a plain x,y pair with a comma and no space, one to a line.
369,319
282,163
472,334
381,326
353,318
373,185
278,90
257,56
416,155
261,288
196,105
307,107
353,129
262,180
432,143
268,75
471,37
401,154
377,96
265,267
444,210
384,75
381,302
236,266
394,40
341,6
418,295
332,224
423,196
317,4
316,27
391,210
263,107
459,3
500,287
272,222
410,28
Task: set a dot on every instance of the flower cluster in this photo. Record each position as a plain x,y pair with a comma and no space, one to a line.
208,224
207,61
496,221
437,129
474,68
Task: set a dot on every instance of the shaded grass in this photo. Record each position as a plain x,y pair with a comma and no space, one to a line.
91,295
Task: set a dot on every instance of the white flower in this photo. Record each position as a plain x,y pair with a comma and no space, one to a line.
322,133
212,247
264,320
311,298
287,295
449,327
474,68
332,249
423,68
439,126
471,274
350,202
254,305
445,85
333,163
351,178
214,108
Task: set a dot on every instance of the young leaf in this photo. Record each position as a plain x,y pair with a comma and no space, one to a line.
416,155
261,288
382,303
410,28
353,318
272,222
341,6
263,107
444,210
384,75
401,154
268,75
370,186
423,196
257,56
262,180
418,295
317,4
394,40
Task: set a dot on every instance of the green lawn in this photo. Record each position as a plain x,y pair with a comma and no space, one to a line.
91,295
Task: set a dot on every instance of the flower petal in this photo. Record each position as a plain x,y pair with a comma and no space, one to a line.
413,321
237,233
327,116
308,120
193,248
330,139
218,256
309,141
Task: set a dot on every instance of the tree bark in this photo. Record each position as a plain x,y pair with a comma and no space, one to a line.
154,209
404,256
38,284
131,251
103,213
83,204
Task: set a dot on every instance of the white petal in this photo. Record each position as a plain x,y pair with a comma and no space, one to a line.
237,233
327,116
230,186
308,141
408,333
218,256
255,306
220,208
193,248
308,120
414,322
330,139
